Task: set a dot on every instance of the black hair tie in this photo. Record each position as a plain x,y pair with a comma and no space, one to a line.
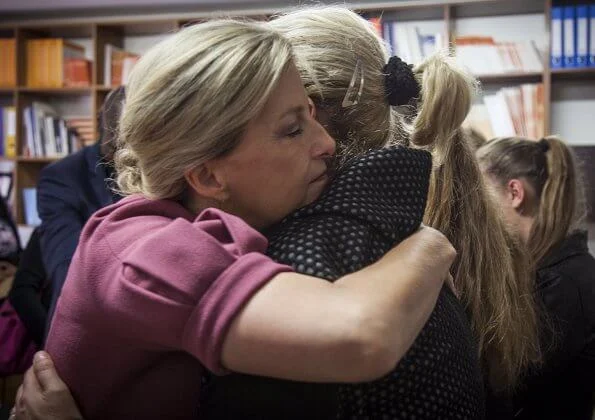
544,145
399,82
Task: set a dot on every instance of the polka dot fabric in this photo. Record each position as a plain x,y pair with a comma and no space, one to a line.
373,203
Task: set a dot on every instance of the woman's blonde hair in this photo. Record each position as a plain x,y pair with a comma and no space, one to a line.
556,197
491,272
319,37
189,99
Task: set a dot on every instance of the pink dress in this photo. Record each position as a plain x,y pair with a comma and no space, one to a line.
150,294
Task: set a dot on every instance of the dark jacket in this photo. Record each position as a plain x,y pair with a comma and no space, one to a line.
68,193
373,203
563,387
31,293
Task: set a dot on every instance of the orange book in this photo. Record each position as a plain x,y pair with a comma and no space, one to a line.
474,40
77,72
67,51
51,49
44,57
12,60
377,24
3,62
7,63
117,65
32,64
47,59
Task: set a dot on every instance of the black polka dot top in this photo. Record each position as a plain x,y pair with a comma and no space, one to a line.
373,203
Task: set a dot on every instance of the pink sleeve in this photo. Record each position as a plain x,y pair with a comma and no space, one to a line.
183,284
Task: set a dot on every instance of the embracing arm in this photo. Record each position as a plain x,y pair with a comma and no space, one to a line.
304,328
356,329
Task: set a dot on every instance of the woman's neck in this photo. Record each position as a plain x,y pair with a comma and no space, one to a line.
196,204
525,223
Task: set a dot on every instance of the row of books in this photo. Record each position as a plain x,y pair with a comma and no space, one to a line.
573,36
118,64
46,134
8,75
483,55
8,132
408,41
512,111
56,63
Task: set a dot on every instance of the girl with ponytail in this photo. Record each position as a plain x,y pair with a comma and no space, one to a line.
491,272
539,188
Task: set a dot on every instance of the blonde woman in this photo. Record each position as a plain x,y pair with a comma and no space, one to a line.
539,188
218,141
357,89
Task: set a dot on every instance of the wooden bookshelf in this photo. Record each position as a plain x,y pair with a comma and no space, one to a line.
104,89
26,159
64,91
120,30
573,74
516,78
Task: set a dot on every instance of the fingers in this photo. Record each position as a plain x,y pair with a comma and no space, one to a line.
18,402
30,382
45,372
18,410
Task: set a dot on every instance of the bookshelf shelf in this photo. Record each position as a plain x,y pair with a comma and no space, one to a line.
6,91
512,78
37,160
105,89
56,91
577,73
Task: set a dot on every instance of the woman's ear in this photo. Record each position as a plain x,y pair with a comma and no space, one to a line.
516,193
207,182
312,107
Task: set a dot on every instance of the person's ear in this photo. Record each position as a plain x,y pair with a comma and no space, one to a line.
516,193
207,181
311,108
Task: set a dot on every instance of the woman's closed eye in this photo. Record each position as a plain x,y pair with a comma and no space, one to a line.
295,131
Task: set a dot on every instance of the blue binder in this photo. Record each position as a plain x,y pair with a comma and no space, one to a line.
569,31
557,54
582,36
591,30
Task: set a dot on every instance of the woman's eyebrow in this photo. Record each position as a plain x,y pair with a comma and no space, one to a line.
294,110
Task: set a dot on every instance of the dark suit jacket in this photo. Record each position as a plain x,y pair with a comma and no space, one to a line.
68,193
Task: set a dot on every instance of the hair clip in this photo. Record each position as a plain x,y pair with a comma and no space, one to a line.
350,99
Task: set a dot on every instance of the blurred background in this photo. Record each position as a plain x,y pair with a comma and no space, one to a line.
59,59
